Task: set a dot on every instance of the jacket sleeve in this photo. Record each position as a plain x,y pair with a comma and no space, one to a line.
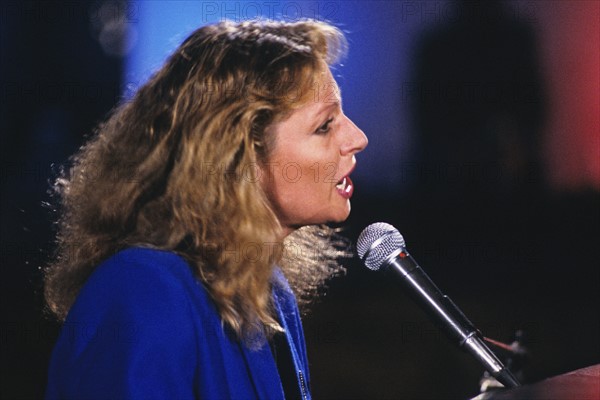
129,335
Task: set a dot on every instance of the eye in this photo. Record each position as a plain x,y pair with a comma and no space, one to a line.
326,127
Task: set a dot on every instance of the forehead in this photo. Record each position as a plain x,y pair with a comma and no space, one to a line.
323,93
320,94
327,89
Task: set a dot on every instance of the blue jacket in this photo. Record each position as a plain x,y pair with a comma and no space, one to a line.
143,327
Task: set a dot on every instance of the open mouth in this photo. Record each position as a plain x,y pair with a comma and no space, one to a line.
345,187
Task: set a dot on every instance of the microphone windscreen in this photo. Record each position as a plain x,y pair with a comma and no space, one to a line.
377,242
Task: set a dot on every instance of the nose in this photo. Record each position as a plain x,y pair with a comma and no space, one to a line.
354,139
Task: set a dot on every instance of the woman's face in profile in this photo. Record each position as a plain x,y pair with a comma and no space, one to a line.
306,176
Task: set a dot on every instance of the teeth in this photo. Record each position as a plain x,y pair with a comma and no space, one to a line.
342,184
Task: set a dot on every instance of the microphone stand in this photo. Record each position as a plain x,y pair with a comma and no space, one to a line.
455,324
514,355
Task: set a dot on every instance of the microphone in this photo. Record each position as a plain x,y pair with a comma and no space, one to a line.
381,246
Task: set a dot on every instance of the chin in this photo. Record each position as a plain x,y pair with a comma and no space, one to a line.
342,215
337,215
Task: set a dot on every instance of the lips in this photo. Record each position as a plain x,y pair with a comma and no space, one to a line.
345,187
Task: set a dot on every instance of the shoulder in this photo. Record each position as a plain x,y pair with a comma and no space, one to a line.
138,283
136,267
137,299
131,332
142,261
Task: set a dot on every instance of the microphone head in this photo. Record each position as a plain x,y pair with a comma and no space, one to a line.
377,242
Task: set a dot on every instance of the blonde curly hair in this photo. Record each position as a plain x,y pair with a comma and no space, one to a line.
172,169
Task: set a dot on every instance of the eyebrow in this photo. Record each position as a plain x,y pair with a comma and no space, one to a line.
336,101
324,109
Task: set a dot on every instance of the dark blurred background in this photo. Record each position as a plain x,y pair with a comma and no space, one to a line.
483,120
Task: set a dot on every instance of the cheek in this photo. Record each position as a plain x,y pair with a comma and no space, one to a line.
294,183
325,172
295,187
292,174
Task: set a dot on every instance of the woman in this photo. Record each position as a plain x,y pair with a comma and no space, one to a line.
177,213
